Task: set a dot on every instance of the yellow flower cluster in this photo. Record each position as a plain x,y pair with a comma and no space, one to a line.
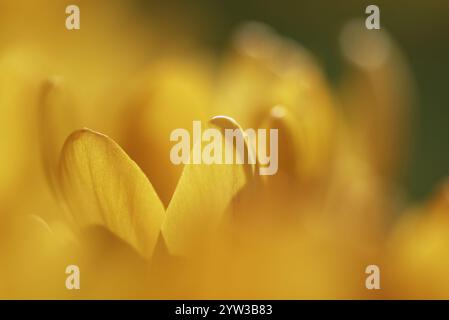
109,200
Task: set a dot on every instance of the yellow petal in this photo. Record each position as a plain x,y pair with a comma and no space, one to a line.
417,255
202,195
265,70
57,120
293,152
225,122
246,77
18,75
378,92
30,252
172,93
103,186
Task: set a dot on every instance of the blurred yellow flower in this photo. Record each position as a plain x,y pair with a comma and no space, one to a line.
109,200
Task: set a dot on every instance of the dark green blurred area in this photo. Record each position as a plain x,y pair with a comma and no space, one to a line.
421,28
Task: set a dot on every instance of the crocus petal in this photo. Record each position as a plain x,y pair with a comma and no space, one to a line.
417,254
293,153
246,79
203,194
377,90
171,94
265,69
58,119
29,252
18,75
103,186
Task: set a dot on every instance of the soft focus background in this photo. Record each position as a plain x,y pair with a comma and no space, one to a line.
420,29
364,156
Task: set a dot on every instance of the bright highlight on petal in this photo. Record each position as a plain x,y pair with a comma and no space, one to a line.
203,194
